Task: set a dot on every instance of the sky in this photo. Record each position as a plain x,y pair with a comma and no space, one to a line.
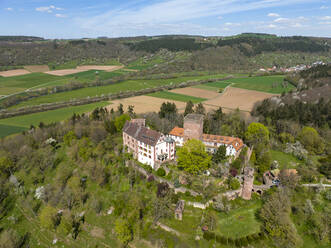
118,18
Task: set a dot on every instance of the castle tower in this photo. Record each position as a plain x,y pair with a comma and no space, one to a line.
246,192
193,127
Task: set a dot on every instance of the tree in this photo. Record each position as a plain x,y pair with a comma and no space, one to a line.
123,231
6,166
69,137
200,109
120,109
234,184
193,158
48,217
120,121
10,239
168,110
311,140
219,155
257,134
131,111
189,108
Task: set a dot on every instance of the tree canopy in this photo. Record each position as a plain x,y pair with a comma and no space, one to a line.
193,158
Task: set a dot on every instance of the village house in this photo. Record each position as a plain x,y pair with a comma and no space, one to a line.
193,128
147,146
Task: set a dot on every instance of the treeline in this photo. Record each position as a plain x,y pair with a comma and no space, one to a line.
258,45
171,44
20,38
318,114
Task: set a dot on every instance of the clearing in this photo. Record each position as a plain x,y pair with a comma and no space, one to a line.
144,104
196,92
177,97
11,73
234,98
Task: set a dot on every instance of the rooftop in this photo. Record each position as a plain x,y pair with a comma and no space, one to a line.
177,131
193,117
141,133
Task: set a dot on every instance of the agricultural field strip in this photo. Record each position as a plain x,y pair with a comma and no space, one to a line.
128,85
47,117
177,97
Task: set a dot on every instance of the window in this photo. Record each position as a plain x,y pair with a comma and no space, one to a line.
149,156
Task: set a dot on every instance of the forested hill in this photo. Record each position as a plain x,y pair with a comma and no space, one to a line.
171,53
20,38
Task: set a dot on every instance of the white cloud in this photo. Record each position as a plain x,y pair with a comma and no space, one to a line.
281,19
220,17
272,26
324,7
60,16
48,9
9,9
325,23
325,18
232,24
170,11
273,15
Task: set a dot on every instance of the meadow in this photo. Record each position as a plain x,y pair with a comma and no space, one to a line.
177,97
20,123
269,84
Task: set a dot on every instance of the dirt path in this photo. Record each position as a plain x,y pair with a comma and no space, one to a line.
168,229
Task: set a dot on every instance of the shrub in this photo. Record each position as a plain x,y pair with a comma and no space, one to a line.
234,184
161,172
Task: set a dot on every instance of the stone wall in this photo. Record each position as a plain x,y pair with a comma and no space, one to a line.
193,127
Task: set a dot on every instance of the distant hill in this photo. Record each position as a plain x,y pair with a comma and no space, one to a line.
21,38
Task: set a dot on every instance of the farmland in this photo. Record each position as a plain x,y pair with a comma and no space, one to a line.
177,97
16,124
270,84
128,85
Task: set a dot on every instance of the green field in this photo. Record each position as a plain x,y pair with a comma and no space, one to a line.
239,222
19,123
285,160
129,85
11,85
270,84
177,97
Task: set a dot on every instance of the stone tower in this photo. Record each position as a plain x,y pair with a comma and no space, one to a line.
246,192
193,127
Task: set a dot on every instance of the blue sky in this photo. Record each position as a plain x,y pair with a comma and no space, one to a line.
115,18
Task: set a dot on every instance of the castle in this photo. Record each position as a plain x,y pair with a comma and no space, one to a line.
153,148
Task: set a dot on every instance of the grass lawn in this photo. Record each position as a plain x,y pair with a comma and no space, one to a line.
129,85
20,123
285,160
177,97
239,222
270,84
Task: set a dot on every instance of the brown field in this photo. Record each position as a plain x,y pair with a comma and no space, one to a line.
196,92
234,98
84,68
144,104
12,73
100,67
37,68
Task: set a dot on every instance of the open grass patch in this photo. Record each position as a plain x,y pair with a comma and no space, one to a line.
239,222
177,97
285,160
270,84
6,130
19,123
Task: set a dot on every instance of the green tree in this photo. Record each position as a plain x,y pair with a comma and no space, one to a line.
311,140
48,217
219,155
69,137
168,110
6,166
120,109
189,108
120,121
193,158
123,231
234,184
200,109
257,134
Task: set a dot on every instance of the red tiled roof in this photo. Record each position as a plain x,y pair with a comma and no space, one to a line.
177,131
235,142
